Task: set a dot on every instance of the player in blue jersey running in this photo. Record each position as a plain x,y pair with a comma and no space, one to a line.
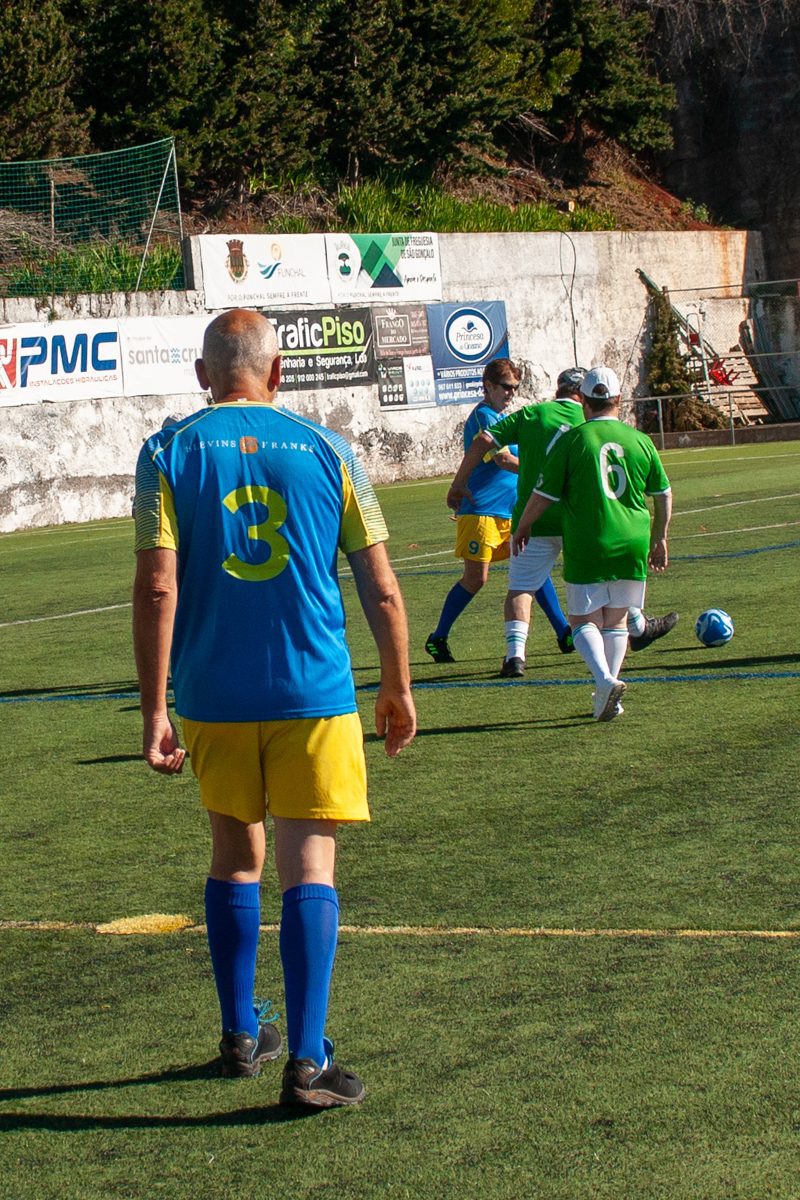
241,510
484,511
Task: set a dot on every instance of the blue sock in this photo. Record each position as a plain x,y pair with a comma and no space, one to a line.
233,915
455,602
547,599
309,930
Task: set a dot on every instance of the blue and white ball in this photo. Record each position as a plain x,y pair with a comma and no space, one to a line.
714,627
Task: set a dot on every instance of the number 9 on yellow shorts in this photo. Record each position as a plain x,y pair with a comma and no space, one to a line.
309,767
482,539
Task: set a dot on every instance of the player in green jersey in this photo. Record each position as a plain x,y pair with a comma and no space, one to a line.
536,429
601,473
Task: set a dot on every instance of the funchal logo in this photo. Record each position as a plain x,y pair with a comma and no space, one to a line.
269,269
236,262
468,334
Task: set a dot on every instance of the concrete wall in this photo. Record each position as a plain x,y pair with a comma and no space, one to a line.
569,298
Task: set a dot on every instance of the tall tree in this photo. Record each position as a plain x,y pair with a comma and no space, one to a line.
265,106
153,70
599,72
38,116
410,86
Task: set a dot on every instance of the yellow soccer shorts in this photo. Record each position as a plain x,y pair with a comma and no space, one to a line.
483,539
309,768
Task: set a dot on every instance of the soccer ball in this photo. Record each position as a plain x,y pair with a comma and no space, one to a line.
714,627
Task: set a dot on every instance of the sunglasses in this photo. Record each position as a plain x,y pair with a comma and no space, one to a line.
509,387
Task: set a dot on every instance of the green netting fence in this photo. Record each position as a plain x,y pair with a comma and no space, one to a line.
95,223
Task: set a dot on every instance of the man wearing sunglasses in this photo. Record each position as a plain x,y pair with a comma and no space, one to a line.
484,517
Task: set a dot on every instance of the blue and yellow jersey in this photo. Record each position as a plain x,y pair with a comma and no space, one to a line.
493,489
257,501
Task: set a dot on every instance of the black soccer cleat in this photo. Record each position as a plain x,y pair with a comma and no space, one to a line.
439,649
512,668
305,1082
655,628
565,643
242,1055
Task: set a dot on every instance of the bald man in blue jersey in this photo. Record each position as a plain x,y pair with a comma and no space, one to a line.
241,510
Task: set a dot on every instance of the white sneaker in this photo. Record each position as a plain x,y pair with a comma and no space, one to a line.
607,700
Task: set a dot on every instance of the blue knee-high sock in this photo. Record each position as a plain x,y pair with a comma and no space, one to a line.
233,914
455,602
309,930
547,599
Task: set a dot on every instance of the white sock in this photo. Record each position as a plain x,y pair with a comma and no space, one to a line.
616,646
589,643
516,639
637,622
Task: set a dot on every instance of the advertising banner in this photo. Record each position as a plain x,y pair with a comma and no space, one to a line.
325,348
402,351
59,360
464,337
383,267
158,354
262,270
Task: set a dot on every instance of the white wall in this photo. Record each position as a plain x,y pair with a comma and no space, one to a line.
569,298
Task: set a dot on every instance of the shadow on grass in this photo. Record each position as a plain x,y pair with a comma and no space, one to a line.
268,1114
497,726
89,690
108,758
710,659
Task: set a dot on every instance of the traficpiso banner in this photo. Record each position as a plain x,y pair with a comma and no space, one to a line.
383,268
262,270
60,360
324,348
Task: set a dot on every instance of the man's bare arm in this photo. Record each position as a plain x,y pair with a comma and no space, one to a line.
658,557
482,445
382,602
155,597
506,461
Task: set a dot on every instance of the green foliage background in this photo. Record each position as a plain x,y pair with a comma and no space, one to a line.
280,87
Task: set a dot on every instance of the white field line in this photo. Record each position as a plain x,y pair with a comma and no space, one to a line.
704,462
148,926
108,537
685,537
81,612
691,512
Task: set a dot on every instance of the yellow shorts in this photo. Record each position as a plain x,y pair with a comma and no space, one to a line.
483,539
309,768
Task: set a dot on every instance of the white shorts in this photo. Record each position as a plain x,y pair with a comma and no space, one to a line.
529,570
585,598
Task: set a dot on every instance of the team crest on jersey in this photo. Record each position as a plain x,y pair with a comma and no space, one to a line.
248,445
236,262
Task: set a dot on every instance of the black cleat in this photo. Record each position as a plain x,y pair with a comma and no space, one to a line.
439,649
305,1082
512,668
565,642
655,628
242,1055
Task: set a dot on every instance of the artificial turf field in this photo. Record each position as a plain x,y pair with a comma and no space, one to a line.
569,966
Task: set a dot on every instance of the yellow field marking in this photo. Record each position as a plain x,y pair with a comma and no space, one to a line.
150,924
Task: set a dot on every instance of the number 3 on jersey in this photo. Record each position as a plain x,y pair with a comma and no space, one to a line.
265,531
